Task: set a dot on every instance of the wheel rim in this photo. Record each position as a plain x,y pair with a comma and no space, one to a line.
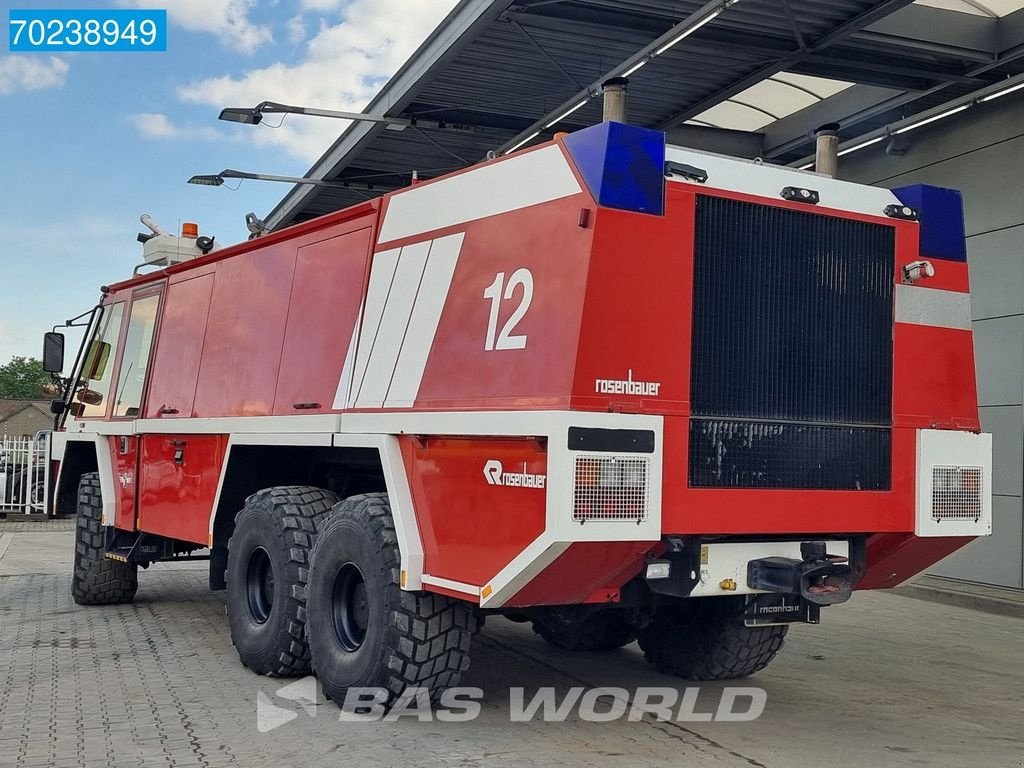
350,609
259,585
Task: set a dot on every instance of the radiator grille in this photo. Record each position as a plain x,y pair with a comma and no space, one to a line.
611,488
791,369
742,454
957,492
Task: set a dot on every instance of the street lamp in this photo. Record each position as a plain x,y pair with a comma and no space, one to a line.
215,180
254,115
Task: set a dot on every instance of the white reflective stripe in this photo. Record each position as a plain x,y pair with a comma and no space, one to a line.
932,306
426,315
750,178
454,586
508,185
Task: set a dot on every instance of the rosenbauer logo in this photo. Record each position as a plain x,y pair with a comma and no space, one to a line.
627,387
496,475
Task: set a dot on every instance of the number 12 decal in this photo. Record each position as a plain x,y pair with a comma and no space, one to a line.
505,339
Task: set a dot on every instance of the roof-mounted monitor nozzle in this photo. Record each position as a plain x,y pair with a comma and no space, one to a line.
615,92
826,155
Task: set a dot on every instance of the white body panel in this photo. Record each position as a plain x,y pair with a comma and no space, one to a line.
960,502
750,178
727,561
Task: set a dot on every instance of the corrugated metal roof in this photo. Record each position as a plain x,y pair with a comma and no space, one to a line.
501,66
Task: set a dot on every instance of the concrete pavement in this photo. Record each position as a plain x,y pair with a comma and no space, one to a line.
885,681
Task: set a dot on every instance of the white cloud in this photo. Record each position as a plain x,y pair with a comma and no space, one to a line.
156,125
296,28
322,5
343,67
227,19
28,72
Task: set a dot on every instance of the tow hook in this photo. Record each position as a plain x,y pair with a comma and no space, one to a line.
819,578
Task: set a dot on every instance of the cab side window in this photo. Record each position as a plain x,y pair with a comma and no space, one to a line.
98,368
138,346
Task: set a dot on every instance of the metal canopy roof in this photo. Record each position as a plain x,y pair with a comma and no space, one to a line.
755,80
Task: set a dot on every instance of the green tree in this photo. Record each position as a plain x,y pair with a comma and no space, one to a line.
23,377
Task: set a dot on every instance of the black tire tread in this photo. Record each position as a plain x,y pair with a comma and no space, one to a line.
97,580
714,644
429,635
300,510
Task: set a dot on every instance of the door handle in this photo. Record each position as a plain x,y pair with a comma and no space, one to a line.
179,450
168,411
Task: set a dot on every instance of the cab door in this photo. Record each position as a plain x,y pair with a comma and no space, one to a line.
129,391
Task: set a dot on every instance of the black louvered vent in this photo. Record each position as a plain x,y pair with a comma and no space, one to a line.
792,329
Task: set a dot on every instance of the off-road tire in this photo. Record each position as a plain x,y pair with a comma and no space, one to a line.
601,631
705,639
95,579
408,639
270,636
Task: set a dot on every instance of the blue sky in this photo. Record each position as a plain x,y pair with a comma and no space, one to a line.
90,141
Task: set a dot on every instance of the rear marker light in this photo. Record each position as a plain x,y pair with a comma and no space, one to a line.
800,195
658,569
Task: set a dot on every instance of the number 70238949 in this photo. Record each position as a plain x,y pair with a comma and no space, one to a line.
54,31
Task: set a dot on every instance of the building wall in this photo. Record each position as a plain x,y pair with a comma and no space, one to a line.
982,154
26,422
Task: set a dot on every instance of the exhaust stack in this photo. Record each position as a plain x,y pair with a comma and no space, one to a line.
615,91
826,155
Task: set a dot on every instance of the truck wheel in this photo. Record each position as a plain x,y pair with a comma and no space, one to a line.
95,579
364,630
268,565
704,639
601,631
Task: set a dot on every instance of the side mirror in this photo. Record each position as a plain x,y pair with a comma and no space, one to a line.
53,352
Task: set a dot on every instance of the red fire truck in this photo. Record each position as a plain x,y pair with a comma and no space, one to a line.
622,390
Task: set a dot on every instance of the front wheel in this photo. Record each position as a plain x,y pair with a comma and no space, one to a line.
97,580
366,632
704,638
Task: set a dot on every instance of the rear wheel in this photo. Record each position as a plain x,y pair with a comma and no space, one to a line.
600,631
705,639
97,580
268,565
364,630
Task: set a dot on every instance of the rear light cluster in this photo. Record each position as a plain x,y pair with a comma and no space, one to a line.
957,492
611,487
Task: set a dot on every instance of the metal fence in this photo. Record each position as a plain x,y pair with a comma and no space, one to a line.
25,474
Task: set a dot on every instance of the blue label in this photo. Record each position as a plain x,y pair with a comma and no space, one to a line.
82,30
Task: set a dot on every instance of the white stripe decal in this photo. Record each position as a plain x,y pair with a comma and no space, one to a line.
386,342
345,382
426,314
507,185
931,306
382,274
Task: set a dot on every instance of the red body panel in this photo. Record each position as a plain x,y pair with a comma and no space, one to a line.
326,294
581,571
539,376
124,453
172,389
469,536
176,494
